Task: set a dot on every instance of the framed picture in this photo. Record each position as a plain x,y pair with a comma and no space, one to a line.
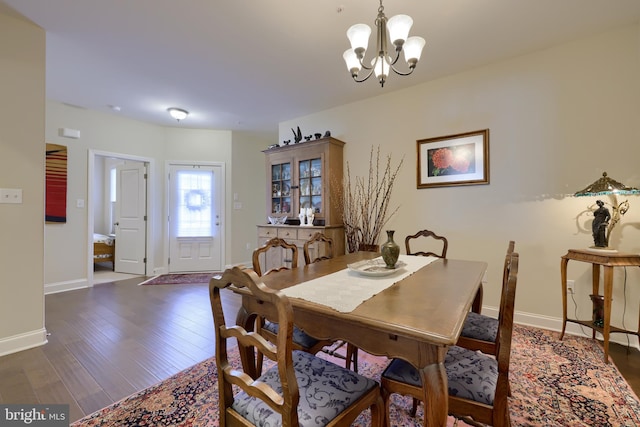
461,159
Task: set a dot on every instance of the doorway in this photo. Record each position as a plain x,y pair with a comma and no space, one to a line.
195,221
118,207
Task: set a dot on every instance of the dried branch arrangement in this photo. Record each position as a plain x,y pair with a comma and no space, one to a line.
365,203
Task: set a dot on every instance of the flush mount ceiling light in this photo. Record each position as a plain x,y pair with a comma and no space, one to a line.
398,29
178,113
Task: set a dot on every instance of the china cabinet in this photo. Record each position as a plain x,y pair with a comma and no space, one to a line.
301,179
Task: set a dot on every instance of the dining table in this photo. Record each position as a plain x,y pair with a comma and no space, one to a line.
413,312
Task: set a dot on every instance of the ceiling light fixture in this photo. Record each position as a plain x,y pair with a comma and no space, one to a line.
398,29
178,113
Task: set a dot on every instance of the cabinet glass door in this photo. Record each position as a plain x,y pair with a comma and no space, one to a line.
310,173
281,188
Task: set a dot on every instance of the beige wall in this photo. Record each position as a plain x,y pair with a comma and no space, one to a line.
248,174
106,133
558,118
22,85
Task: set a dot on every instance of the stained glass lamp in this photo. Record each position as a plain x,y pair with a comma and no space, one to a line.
603,220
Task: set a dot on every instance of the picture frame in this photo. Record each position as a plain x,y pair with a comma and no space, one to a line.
460,159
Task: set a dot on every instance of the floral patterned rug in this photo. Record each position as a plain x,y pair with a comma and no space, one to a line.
554,383
179,279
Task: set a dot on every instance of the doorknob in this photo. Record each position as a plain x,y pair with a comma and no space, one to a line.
116,224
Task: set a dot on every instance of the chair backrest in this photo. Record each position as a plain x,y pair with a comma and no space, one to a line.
430,234
506,270
270,246
229,374
323,246
507,307
498,413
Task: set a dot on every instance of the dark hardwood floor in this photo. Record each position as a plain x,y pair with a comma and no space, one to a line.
110,341
115,339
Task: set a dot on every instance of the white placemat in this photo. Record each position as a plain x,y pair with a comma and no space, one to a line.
345,290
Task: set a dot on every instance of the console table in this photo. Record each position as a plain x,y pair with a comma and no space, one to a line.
608,260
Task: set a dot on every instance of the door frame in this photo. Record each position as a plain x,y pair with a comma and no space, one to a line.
167,208
151,216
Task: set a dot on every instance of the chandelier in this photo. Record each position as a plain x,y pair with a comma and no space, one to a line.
397,28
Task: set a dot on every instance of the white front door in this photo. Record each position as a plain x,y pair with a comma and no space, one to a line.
130,218
195,217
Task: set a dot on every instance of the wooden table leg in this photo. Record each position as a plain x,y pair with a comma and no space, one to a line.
563,280
247,354
595,286
608,291
436,394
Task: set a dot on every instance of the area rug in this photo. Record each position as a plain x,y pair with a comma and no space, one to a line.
554,383
179,279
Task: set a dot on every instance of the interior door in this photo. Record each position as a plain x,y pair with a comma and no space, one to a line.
195,218
130,218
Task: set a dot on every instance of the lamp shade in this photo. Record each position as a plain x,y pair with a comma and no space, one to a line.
413,49
380,67
398,27
604,186
358,36
351,59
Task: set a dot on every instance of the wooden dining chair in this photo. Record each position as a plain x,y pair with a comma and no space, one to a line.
300,389
478,383
480,332
436,245
441,242
275,248
319,248
269,330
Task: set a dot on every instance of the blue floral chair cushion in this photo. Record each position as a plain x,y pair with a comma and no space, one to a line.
480,327
299,337
471,375
326,390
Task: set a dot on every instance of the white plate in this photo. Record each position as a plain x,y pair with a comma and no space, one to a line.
375,267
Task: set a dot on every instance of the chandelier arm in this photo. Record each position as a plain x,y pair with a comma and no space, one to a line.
401,72
355,78
364,66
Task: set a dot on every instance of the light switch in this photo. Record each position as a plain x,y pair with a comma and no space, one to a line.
10,195
237,205
80,203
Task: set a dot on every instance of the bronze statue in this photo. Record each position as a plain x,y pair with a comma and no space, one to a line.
599,226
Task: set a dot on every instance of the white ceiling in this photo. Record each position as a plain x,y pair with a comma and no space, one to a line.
247,65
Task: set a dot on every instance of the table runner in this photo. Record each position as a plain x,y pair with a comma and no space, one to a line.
345,290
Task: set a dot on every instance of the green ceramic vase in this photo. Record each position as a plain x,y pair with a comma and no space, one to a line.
390,250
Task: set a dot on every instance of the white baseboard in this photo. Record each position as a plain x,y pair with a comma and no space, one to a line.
54,288
24,341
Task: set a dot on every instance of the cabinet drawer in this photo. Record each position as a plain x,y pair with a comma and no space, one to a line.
307,233
287,234
268,232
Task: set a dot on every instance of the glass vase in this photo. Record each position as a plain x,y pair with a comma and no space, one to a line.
390,250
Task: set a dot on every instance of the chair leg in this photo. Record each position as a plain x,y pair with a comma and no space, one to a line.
259,356
378,414
414,407
386,402
476,307
352,355
259,362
